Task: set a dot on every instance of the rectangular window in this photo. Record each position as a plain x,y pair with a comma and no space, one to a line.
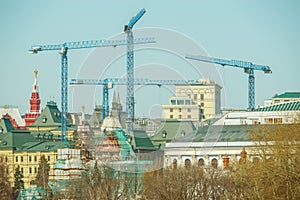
17,160
179,117
22,170
30,170
173,102
189,116
201,97
189,110
171,109
277,120
29,158
202,104
195,97
179,109
35,170
49,158
180,102
171,116
268,120
21,158
35,158
187,102
189,95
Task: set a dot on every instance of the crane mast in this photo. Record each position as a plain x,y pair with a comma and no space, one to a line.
247,66
130,71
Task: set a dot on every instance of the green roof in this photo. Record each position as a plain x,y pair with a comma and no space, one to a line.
15,139
23,141
142,141
5,125
287,106
50,116
288,95
224,133
172,129
43,146
231,133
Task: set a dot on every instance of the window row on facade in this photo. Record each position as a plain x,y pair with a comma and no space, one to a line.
30,159
31,170
180,117
180,109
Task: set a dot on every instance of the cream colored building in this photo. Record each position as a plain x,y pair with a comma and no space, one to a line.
20,148
283,98
194,102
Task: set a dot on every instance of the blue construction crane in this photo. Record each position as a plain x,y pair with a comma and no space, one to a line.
63,48
248,68
108,83
130,71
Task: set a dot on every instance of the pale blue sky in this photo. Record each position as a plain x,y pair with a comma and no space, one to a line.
264,32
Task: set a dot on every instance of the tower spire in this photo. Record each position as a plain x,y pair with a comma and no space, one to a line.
82,114
35,85
118,100
114,97
34,103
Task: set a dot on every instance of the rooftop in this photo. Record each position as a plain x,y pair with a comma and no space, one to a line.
172,129
288,95
287,106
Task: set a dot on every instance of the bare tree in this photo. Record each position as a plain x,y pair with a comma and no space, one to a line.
275,174
5,188
43,173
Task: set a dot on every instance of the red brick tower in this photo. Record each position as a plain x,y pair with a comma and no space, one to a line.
34,103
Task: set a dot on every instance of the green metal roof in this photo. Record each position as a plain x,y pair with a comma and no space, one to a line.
288,106
15,139
5,125
142,141
50,116
224,133
43,146
232,133
172,129
23,141
288,95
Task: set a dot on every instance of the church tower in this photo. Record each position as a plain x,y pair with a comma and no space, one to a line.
35,103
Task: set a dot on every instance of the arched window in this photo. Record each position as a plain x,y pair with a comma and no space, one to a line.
174,164
214,163
201,162
187,163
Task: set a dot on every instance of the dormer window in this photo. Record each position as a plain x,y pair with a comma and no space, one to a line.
164,134
44,119
182,133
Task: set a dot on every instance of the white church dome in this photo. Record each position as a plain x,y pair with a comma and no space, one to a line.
110,123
